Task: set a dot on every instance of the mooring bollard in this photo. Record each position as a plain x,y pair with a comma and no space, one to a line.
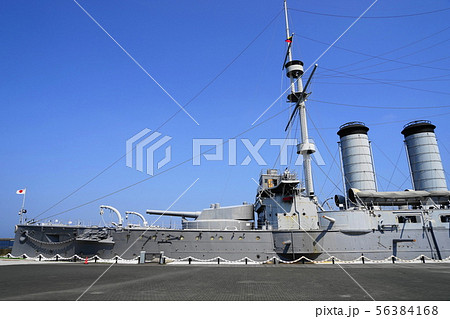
57,258
40,257
393,259
423,259
95,259
190,260
162,260
246,260
303,261
332,260
117,258
141,258
218,260
362,259
274,260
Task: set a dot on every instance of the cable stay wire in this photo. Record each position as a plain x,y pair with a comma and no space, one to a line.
384,53
387,83
404,67
372,17
325,144
385,60
382,107
428,78
389,159
370,83
390,122
395,168
169,119
385,179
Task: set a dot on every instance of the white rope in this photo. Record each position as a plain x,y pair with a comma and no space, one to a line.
134,260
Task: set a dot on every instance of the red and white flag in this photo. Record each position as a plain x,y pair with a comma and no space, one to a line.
21,191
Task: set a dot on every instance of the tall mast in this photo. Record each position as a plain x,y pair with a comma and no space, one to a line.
294,71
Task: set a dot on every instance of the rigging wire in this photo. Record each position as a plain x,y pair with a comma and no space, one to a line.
404,56
328,173
394,81
387,52
395,168
372,17
384,178
383,107
389,122
169,119
382,58
326,147
387,83
388,158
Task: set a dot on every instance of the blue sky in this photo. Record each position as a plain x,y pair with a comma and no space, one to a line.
71,97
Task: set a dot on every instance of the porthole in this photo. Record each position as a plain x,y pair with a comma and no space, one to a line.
197,238
258,238
240,238
181,237
154,237
220,238
212,238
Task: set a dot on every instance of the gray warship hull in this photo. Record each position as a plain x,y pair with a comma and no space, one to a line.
407,242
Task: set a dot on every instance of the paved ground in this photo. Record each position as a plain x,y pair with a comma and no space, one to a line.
67,281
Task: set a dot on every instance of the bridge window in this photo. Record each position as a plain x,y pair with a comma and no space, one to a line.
408,219
445,218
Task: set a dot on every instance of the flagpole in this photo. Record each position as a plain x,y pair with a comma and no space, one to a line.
23,200
23,206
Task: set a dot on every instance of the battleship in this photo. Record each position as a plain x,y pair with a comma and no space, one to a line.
287,221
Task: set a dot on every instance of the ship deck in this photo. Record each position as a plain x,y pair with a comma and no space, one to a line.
25,280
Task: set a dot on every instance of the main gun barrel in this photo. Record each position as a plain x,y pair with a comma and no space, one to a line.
172,213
